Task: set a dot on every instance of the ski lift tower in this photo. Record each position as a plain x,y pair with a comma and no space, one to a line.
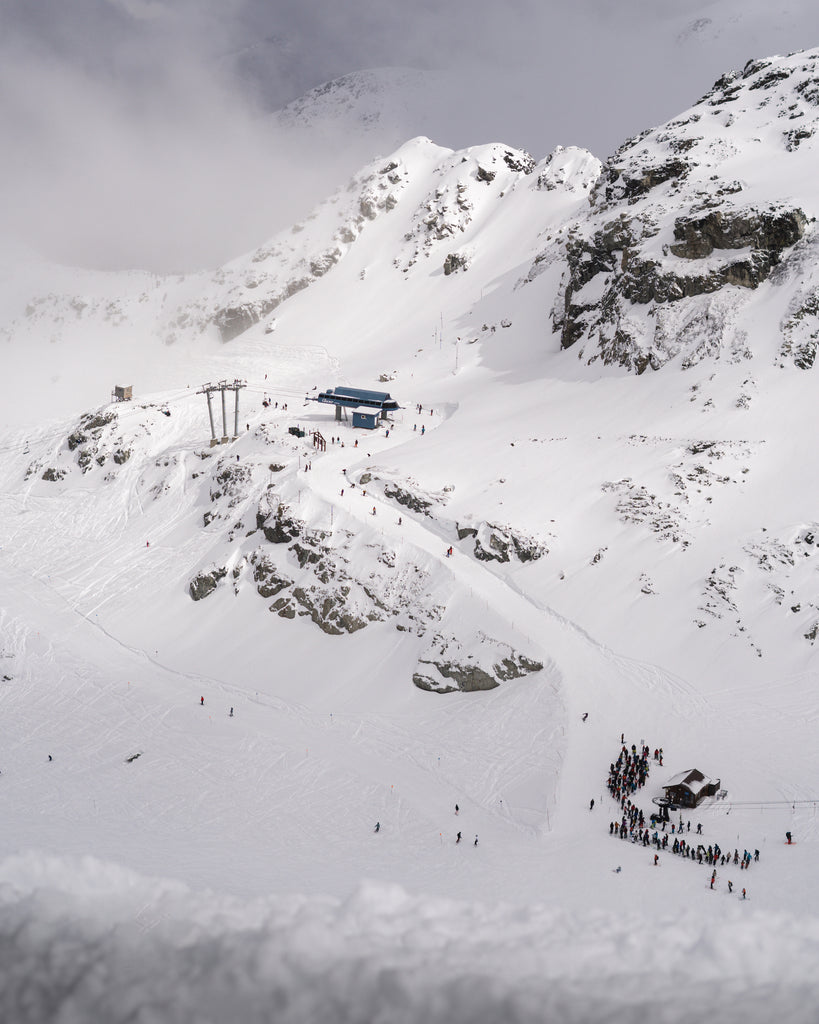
223,386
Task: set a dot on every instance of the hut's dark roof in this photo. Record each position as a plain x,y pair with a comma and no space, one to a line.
692,778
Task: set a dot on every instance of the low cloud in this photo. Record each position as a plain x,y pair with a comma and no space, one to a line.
135,132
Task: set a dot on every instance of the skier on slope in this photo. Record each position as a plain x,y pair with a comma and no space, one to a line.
458,839
377,826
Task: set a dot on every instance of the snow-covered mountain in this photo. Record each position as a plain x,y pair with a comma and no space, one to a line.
591,522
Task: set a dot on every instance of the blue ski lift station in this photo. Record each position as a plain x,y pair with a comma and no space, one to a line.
367,407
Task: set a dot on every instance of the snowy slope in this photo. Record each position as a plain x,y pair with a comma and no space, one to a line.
635,547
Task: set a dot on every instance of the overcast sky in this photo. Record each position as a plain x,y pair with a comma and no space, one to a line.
133,132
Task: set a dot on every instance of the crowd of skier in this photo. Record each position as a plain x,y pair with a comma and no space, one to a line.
628,774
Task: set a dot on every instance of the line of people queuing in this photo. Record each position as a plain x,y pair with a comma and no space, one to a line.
628,774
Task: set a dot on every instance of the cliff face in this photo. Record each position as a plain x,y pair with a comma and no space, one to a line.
689,220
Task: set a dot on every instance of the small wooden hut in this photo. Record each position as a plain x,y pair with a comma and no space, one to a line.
689,788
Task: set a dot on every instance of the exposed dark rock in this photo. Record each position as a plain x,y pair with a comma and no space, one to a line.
484,175
86,438
424,682
469,677
800,333
465,531
633,188
284,607
498,550
235,320
231,480
205,583
773,230
519,161
796,136
54,475
319,265
454,262
616,183
305,555
278,527
327,610
773,77
500,543
631,279
516,667
808,89
408,499
96,422
121,455
267,578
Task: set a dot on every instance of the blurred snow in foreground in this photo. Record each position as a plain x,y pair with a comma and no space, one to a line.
86,941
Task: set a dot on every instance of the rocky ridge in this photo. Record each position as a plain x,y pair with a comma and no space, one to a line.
687,221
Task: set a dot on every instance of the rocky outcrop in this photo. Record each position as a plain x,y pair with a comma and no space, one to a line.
205,583
328,610
269,581
278,526
769,230
234,320
607,274
800,333
408,499
455,261
446,666
230,481
89,429
616,183
501,543
656,265
86,439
